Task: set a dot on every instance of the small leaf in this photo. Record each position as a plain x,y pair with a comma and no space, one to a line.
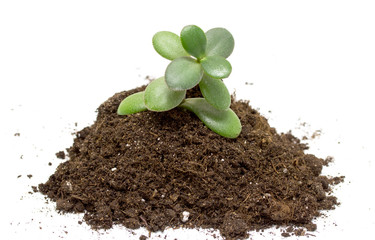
183,73
219,42
216,66
132,104
194,41
158,97
215,92
168,45
223,122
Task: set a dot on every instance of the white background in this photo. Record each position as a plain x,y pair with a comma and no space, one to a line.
304,61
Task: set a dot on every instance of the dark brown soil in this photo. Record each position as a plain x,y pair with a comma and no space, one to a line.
60,155
155,169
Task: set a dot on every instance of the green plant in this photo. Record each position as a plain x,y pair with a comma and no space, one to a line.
196,58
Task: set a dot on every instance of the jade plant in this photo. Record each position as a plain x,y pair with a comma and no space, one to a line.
197,58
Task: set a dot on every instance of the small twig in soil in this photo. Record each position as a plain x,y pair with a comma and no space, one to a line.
144,221
273,166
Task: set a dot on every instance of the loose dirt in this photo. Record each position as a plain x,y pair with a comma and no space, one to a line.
159,170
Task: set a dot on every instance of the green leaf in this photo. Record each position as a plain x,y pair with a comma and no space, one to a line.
215,92
223,122
194,41
216,66
168,45
219,42
183,73
158,97
132,104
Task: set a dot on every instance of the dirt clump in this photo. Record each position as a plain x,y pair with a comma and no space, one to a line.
60,155
159,170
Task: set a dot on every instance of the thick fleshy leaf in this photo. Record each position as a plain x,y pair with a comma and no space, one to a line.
219,42
216,66
132,104
159,97
194,41
223,122
215,92
168,45
183,73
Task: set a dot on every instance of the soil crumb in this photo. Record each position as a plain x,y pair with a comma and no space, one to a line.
159,170
143,237
60,155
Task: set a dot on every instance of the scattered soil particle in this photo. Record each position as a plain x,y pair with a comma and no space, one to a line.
60,155
148,168
17,134
300,232
311,227
316,134
35,189
143,237
29,175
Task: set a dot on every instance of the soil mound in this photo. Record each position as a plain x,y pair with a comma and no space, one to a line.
167,169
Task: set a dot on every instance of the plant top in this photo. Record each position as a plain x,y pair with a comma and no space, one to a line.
197,58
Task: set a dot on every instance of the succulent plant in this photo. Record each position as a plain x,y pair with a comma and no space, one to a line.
197,58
